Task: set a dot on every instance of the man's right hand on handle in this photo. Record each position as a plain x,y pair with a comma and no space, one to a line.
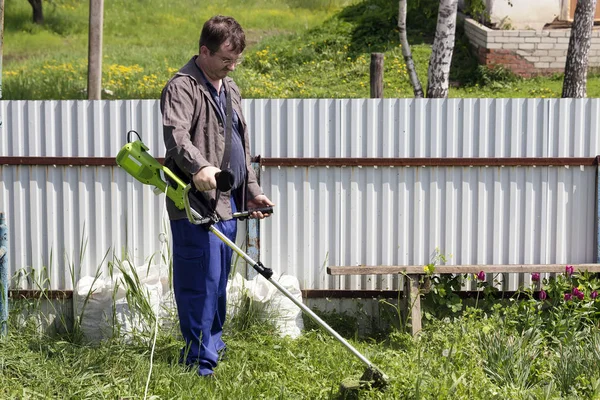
204,179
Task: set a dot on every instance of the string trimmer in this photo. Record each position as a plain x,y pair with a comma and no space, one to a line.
135,159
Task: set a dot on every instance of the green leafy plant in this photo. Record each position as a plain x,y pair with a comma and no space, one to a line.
509,358
478,10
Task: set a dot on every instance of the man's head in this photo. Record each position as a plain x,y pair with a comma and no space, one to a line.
220,29
221,44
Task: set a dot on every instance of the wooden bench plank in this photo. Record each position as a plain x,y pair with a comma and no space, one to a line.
457,269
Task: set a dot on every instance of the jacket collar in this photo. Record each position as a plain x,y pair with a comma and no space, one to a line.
193,71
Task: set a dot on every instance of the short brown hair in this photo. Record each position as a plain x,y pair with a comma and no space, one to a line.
220,29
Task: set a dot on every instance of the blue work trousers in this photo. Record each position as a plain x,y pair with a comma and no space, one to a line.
201,265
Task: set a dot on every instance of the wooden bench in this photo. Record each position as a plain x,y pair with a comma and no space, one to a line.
411,296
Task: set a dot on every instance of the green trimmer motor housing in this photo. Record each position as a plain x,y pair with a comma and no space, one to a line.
135,159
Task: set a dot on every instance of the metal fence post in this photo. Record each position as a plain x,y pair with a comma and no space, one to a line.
3,276
597,211
253,232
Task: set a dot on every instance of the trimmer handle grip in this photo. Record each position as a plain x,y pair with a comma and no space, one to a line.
245,214
224,180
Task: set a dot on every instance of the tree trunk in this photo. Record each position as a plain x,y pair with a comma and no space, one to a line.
410,65
441,52
575,83
38,15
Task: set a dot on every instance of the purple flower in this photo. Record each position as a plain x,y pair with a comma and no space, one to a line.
568,296
578,293
569,270
543,295
594,294
535,276
481,276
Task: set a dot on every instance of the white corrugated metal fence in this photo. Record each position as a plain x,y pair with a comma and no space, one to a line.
324,215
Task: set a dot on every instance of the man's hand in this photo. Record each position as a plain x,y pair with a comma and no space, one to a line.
259,201
204,179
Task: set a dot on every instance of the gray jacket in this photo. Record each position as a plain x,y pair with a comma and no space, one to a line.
194,135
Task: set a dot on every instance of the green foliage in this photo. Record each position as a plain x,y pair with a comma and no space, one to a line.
506,351
297,49
496,76
478,10
512,359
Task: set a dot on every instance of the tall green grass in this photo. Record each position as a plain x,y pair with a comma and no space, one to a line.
465,358
474,355
297,49
144,41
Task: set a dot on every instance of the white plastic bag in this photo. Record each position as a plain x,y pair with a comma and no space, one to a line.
125,304
93,307
270,304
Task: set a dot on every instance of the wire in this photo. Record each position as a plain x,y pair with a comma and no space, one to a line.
129,135
157,316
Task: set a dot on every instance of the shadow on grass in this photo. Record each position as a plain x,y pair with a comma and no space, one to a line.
55,21
376,24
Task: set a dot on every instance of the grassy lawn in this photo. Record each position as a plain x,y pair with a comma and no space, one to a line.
297,49
488,347
510,352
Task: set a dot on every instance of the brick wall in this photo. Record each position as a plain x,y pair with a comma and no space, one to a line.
526,52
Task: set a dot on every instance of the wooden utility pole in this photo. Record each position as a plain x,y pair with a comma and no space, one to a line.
95,50
376,72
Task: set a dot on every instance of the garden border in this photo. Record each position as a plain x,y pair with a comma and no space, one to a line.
411,300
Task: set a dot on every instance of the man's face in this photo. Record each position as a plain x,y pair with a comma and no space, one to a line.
219,64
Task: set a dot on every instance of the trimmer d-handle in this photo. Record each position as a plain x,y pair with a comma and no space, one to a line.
242,215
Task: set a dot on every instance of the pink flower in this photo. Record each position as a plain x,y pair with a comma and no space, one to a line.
594,294
481,276
569,270
535,276
543,295
568,296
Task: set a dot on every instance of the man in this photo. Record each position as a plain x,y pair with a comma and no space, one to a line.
204,132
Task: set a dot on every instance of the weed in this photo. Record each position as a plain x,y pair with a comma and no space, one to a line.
508,357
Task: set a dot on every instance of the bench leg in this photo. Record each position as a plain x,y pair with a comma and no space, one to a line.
412,301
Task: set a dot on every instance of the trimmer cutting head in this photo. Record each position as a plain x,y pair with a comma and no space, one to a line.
375,378
372,378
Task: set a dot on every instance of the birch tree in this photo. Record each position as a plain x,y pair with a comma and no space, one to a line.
575,82
441,53
442,49
406,52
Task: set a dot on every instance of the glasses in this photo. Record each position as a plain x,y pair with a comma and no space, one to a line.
229,62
